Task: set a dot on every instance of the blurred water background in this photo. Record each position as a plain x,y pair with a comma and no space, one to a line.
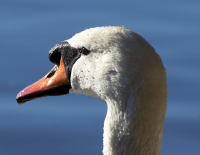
73,124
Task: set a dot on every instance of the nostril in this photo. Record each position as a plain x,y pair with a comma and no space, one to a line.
52,72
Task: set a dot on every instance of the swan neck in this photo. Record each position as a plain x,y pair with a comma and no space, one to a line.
128,131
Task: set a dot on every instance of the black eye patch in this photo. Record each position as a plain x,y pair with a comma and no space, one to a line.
69,55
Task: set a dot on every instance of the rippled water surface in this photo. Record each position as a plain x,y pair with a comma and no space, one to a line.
73,124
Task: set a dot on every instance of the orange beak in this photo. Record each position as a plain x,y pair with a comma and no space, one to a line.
54,83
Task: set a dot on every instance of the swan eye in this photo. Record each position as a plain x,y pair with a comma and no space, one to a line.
52,72
84,51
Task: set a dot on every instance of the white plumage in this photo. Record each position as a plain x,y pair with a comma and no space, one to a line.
123,70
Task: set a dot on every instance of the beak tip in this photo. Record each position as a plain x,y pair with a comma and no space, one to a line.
18,97
20,102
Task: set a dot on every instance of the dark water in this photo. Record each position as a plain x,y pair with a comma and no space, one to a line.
74,124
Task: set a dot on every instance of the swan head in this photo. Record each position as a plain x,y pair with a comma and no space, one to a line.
121,68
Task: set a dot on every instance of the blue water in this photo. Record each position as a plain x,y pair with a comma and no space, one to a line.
73,124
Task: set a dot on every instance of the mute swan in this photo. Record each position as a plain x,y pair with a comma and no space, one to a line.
121,68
